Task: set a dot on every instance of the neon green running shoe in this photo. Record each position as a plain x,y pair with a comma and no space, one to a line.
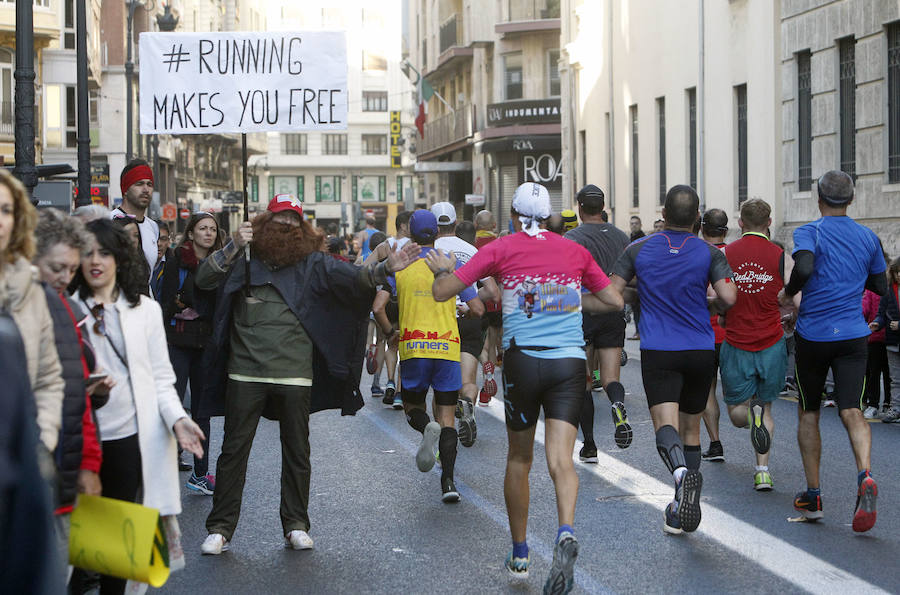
762,481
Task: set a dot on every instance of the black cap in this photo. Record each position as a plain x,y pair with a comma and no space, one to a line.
591,195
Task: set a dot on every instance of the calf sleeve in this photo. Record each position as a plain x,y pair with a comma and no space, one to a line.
668,444
587,417
447,450
417,419
615,392
692,457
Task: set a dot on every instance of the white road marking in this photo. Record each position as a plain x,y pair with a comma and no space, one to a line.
775,555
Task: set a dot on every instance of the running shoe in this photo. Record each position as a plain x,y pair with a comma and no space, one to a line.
714,454
389,391
298,540
490,386
885,409
562,571
205,485
588,454
466,427
623,428
517,567
687,496
671,524
762,481
398,402
866,495
623,358
892,417
371,362
759,434
376,391
182,465
808,508
484,399
428,448
828,400
870,412
448,490
596,382
214,544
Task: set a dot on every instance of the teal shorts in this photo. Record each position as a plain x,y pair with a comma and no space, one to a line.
748,373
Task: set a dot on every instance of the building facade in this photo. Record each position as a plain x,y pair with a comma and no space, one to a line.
840,67
494,120
641,116
343,176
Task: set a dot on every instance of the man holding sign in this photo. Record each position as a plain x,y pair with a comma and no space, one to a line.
291,344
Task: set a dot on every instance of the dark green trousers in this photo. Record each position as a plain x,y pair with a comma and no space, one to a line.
244,404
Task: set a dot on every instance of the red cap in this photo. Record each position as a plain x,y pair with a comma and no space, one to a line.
286,202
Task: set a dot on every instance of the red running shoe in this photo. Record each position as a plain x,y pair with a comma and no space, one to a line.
864,518
488,368
484,399
371,364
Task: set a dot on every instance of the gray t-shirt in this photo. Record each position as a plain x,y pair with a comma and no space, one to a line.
604,241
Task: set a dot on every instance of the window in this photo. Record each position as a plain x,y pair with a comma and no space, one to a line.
692,136
374,144
6,92
332,18
369,188
635,194
293,144
287,185
512,75
372,18
553,72
804,122
334,144
68,24
328,188
582,142
847,97
375,101
374,61
740,93
661,134
254,189
893,36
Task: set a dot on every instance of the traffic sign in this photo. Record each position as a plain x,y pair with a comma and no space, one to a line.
169,212
184,213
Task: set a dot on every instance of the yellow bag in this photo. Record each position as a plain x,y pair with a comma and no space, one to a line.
120,539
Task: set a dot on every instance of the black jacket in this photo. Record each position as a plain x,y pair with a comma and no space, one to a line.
69,447
196,333
331,302
889,310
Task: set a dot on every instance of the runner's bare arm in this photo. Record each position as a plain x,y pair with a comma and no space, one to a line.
609,299
446,284
381,300
489,290
726,295
476,306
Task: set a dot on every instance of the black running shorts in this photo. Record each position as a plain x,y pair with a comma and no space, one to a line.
604,330
530,383
492,319
392,311
847,360
682,377
471,339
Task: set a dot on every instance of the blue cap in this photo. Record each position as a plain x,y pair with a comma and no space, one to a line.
423,226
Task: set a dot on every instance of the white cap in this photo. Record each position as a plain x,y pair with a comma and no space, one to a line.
532,202
445,213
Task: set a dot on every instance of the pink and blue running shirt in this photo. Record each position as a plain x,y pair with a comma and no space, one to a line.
541,278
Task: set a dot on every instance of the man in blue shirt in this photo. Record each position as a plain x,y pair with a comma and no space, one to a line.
835,259
673,269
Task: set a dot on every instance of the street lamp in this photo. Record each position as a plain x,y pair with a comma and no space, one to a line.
132,5
25,169
166,23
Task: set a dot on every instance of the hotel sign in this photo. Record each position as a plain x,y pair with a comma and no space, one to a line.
396,140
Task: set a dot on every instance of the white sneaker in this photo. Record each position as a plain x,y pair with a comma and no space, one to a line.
214,544
298,540
870,412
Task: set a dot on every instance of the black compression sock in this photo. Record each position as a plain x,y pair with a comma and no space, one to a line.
587,417
668,444
615,391
447,450
692,457
417,419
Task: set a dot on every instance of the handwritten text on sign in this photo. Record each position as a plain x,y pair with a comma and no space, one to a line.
208,83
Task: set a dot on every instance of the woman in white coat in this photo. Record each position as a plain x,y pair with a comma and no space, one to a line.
140,423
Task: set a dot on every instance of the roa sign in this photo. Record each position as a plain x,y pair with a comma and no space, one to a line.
543,168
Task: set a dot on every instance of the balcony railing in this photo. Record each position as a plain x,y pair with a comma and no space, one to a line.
6,118
451,33
533,10
448,129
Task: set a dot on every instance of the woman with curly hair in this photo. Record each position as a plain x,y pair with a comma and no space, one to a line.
143,417
22,296
188,313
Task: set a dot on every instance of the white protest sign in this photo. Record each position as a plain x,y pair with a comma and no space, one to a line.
210,83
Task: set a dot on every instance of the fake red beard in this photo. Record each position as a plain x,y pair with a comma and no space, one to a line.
280,245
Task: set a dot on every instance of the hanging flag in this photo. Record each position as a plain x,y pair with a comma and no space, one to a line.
425,93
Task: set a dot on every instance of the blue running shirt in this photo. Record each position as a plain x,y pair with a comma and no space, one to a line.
846,253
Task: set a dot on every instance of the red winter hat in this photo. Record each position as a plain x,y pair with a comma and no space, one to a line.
286,202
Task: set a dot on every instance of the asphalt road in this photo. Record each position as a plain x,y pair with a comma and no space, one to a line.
379,525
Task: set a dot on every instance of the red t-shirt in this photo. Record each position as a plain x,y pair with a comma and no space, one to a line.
754,323
480,242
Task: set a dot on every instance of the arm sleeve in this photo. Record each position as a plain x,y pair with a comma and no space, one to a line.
877,283
804,261
624,266
718,266
482,264
781,265
881,317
